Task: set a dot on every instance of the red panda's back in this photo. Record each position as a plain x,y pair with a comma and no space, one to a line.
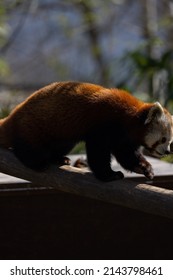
67,110
62,109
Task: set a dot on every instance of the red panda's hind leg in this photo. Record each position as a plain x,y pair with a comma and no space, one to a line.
37,159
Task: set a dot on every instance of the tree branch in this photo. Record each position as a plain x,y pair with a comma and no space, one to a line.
18,28
143,197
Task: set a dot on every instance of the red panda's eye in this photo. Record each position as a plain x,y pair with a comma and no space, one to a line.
163,139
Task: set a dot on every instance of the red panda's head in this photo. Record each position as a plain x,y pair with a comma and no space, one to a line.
159,131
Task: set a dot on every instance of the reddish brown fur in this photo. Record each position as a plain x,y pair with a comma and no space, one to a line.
59,115
69,112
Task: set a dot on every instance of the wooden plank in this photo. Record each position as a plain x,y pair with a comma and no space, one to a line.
162,170
143,197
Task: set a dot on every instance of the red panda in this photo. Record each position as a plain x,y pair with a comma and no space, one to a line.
45,128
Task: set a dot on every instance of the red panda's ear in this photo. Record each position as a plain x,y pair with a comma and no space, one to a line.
155,113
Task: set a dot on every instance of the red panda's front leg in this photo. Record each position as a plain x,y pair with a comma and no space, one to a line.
144,167
99,158
133,160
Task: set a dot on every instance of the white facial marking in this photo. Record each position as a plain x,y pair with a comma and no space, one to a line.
159,136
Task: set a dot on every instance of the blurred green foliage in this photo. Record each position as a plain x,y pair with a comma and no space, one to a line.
4,68
147,67
79,148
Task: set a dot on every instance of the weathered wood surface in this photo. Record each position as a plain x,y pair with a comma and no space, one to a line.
143,197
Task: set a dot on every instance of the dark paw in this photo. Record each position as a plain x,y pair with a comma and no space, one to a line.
80,163
146,169
117,175
149,173
64,161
